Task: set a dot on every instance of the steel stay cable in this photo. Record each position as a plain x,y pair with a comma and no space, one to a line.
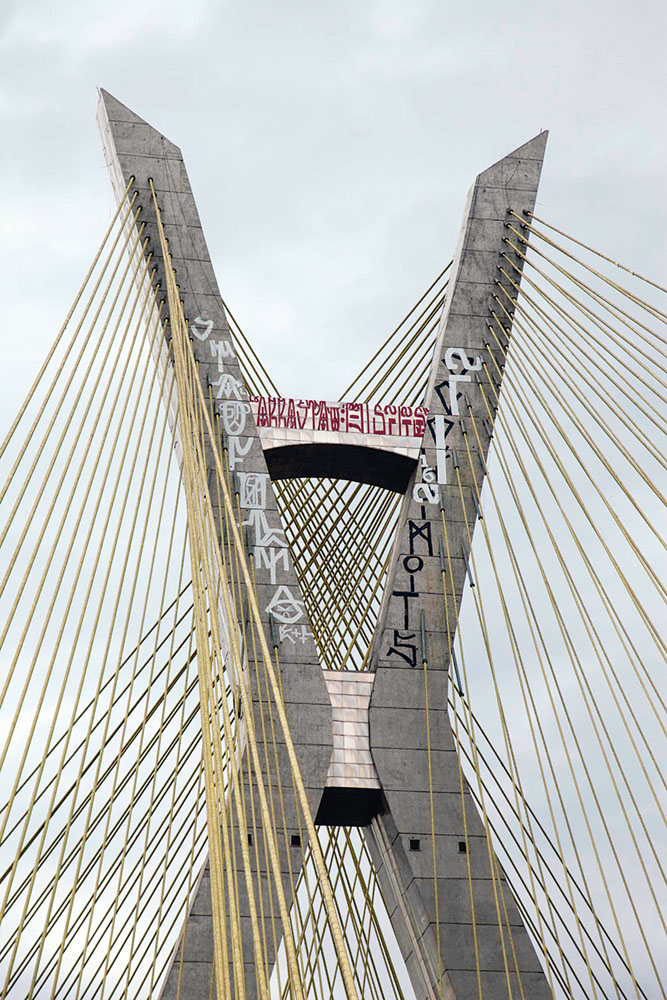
83,711
398,330
632,544
629,707
315,556
557,460
100,928
526,599
317,944
76,926
589,782
427,347
471,894
242,775
189,896
581,605
418,347
600,352
48,673
651,627
45,572
29,520
432,812
247,703
448,575
86,871
251,361
162,725
604,394
516,651
148,942
121,943
167,562
568,875
545,834
583,682
54,346
229,557
146,851
208,713
551,965
55,410
489,655
626,318
130,537
602,348
653,310
82,804
182,378
609,606
99,550
322,874
501,812
64,326
562,975
609,260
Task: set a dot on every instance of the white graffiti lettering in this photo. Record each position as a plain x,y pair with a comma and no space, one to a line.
265,535
294,633
238,449
425,493
455,356
233,415
270,558
229,387
221,349
201,327
254,486
285,607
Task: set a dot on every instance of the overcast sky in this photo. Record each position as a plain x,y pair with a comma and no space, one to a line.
330,148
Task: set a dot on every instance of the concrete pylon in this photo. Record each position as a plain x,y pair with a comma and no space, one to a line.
390,795
413,629
136,152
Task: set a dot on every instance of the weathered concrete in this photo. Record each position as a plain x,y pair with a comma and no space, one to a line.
414,601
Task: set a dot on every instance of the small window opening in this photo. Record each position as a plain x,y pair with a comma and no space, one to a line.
249,840
463,847
295,840
415,844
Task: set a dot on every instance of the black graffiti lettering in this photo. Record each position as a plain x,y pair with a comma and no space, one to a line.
444,398
413,564
399,644
422,531
407,595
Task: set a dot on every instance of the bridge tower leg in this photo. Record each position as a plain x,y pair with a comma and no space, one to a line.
139,153
414,642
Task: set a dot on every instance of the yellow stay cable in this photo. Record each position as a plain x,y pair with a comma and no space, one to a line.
573,774
319,861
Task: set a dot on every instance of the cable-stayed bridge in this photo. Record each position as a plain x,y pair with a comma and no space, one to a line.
358,698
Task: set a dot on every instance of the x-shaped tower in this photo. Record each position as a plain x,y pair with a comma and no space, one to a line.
375,748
